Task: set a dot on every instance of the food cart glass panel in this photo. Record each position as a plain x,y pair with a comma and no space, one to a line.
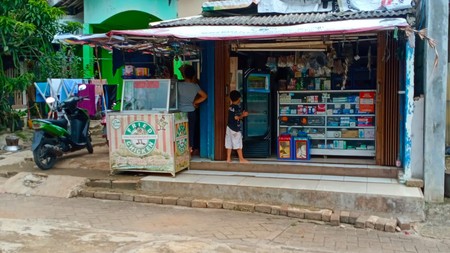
149,95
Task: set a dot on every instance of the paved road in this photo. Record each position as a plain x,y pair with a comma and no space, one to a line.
42,224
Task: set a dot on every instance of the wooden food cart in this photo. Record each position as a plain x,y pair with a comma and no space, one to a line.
148,134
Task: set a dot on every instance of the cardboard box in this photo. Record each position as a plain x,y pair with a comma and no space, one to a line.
339,144
334,134
369,133
361,133
349,133
327,85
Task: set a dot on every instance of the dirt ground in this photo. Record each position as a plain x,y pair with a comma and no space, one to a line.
79,163
96,166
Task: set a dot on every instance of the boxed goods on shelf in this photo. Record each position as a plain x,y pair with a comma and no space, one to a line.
349,133
369,133
339,144
327,84
339,99
312,99
365,121
344,121
334,134
285,98
142,72
361,133
321,109
284,110
312,109
332,120
353,99
299,109
316,135
325,146
316,121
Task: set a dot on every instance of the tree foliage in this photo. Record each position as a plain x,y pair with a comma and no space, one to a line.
27,28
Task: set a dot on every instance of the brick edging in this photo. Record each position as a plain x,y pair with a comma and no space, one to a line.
357,219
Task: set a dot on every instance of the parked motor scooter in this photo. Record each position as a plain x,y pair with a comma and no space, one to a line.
54,137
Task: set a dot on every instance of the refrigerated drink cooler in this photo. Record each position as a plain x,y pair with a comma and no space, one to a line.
256,127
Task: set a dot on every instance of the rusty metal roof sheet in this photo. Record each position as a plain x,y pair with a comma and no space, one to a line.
72,7
284,19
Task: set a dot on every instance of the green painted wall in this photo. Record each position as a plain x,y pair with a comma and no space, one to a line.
102,16
88,52
97,11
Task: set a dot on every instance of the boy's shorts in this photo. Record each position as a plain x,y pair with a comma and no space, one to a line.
233,140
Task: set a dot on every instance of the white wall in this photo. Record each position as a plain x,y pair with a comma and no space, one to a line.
417,139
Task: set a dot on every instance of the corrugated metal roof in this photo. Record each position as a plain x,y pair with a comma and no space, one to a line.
72,6
283,19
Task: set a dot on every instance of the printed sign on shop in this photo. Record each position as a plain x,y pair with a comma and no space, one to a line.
367,102
146,84
140,138
181,138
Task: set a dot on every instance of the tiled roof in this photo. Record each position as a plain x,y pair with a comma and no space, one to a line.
284,19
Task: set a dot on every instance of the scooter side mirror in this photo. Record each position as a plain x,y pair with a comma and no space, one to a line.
82,87
50,100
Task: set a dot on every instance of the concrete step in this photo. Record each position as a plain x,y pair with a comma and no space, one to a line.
132,190
315,166
375,196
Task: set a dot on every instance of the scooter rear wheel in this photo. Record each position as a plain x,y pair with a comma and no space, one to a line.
43,157
89,146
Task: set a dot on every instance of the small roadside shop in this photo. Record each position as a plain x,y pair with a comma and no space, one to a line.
333,79
335,82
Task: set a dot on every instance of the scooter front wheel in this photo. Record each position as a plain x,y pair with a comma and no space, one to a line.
89,146
43,157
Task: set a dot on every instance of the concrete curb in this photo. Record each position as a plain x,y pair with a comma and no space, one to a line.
125,190
129,190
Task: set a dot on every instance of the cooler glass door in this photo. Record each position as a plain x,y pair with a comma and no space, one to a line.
258,82
257,122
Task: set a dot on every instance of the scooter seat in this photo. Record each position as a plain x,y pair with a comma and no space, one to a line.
59,122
